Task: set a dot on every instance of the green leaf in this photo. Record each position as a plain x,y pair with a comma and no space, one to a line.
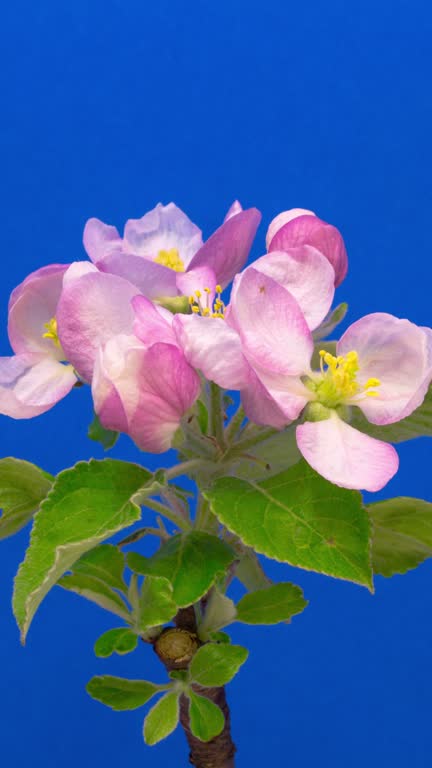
268,458
419,424
402,534
162,719
215,665
298,518
270,606
190,561
249,570
23,487
156,605
121,694
206,718
330,322
87,504
202,416
220,611
97,592
120,641
105,563
106,437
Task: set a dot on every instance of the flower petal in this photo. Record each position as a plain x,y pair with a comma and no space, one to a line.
307,275
91,310
163,228
31,385
152,279
144,392
259,406
233,210
283,218
152,324
346,456
310,230
227,250
100,239
211,346
396,352
33,304
197,280
273,330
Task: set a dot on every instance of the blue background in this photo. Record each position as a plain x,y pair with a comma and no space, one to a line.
109,107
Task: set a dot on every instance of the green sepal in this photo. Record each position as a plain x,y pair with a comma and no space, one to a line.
106,437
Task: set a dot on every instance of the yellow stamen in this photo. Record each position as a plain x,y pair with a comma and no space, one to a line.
206,310
171,259
51,332
339,382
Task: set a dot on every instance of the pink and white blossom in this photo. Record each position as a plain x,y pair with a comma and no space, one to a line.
298,227
264,347
163,253
38,375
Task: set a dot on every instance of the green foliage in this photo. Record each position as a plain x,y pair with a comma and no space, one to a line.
276,603
156,604
220,611
249,570
162,719
190,561
97,592
330,322
419,424
23,487
121,694
87,504
402,534
215,665
206,718
106,437
269,457
298,518
120,641
106,563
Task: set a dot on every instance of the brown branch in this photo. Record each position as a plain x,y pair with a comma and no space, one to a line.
175,648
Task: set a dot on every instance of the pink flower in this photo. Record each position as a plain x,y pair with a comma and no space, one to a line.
264,347
125,346
37,376
299,227
163,253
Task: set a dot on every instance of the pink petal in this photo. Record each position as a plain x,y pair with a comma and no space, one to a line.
396,352
196,280
91,310
144,392
233,210
211,346
273,330
310,230
152,279
283,218
161,229
31,305
31,385
307,275
259,405
100,239
152,324
227,250
346,456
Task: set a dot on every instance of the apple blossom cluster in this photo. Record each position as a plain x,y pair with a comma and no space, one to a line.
146,319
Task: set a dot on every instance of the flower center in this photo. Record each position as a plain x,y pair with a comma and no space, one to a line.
51,332
338,383
201,305
170,259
